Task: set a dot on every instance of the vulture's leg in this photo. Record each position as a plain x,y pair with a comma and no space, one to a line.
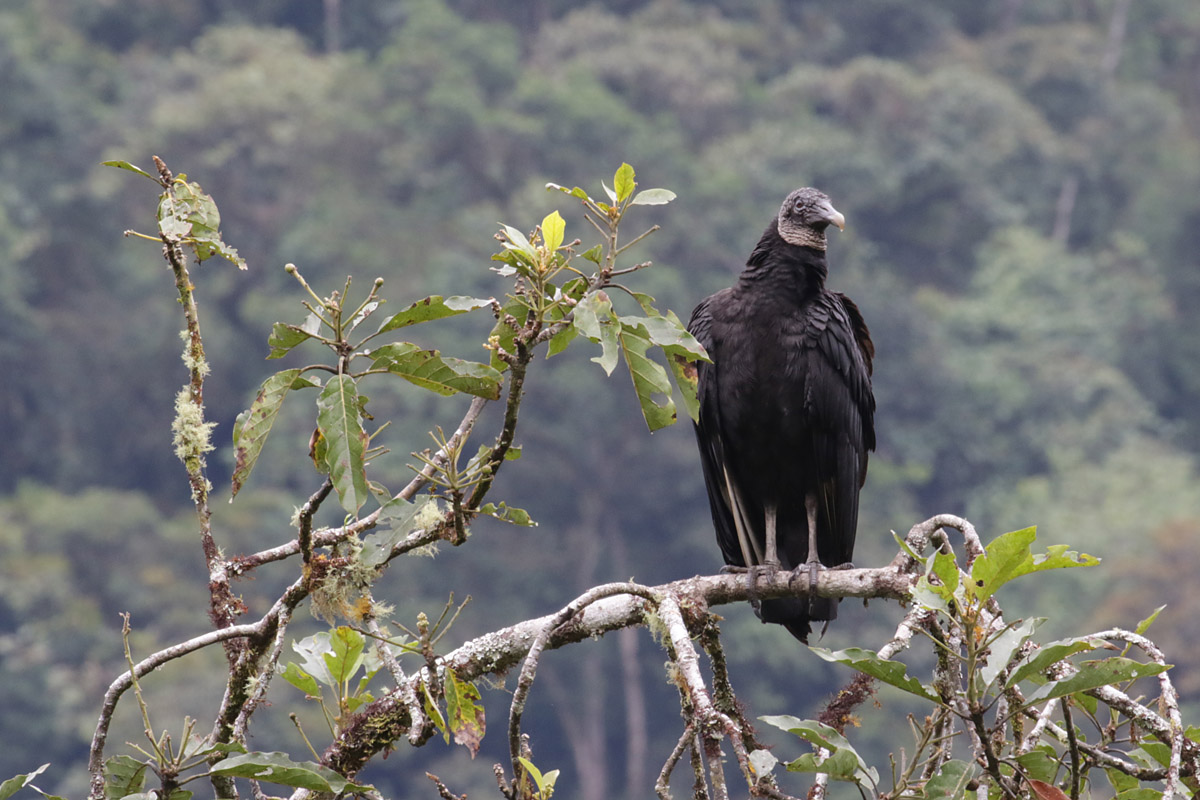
768,564
813,564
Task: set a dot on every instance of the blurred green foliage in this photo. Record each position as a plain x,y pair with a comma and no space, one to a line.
1022,195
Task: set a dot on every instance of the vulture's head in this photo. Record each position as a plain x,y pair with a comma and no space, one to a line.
805,215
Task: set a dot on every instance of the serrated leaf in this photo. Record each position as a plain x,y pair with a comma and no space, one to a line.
279,768
443,375
10,786
1008,556
554,228
464,713
1093,674
893,673
127,166
345,441
431,308
123,776
253,425
653,197
649,377
623,183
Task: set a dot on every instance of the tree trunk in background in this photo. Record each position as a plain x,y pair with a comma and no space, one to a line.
1063,210
333,26
1117,25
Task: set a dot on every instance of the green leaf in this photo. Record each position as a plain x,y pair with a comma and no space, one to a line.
434,714
1004,647
1140,793
553,230
941,594
395,522
1093,674
464,713
893,673
443,375
192,215
345,441
254,424
574,192
516,240
507,513
1008,556
503,334
763,762
1145,624
301,680
431,308
545,783
843,763
279,768
1048,654
1120,781
653,197
950,781
1040,763
649,378
131,168
595,254
123,776
623,183
10,786
345,655
679,346
312,650
284,337
594,318
561,340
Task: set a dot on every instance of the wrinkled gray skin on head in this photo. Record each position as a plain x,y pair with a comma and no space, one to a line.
805,215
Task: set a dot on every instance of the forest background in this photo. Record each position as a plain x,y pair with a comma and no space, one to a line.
1021,183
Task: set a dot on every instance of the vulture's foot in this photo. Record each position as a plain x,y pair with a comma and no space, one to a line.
754,574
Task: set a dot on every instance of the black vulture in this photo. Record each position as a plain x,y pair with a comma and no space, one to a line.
786,410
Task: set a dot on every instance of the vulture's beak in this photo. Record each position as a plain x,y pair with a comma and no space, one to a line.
833,216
